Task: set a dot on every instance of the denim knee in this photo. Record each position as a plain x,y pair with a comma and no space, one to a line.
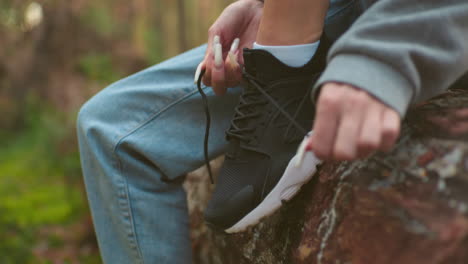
93,128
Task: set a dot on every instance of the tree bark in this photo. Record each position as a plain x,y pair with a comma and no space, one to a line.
409,206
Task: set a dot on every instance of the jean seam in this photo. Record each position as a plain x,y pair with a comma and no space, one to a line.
124,205
124,195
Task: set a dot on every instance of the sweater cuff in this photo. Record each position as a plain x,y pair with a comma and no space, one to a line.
379,79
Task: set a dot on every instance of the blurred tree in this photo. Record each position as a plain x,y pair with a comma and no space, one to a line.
55,55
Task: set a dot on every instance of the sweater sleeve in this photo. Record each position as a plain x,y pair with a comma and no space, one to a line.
402,51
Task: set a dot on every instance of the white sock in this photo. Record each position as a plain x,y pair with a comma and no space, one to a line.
292,55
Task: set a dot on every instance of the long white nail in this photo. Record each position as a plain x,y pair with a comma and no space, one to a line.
218,58
232,61
216,40
197,73
235,45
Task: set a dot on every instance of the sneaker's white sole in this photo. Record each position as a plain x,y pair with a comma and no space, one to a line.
288,186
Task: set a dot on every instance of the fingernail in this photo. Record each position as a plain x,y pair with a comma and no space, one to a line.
218,58
309,141
232,66
215,41
232,60
197,72
235,45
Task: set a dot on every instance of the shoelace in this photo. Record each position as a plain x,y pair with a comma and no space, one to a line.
208,124
243,112
247,100
257,84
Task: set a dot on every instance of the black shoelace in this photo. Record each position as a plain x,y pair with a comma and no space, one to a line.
258,85
208,124
243,111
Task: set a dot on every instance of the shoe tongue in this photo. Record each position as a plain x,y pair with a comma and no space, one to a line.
267,68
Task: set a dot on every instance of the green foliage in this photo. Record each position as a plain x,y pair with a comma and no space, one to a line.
9,16
153,45
40,184
98,67
99,18
40,178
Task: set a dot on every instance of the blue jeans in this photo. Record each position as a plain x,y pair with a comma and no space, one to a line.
138,138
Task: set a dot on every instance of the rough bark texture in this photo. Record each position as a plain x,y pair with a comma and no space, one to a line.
407,206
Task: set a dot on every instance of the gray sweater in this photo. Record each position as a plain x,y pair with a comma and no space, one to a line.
402,51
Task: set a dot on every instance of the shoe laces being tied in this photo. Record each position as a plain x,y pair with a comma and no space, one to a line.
245,110
266,98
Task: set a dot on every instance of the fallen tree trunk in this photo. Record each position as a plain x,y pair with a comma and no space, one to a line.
407,206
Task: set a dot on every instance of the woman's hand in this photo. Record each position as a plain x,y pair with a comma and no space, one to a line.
350,124
240,20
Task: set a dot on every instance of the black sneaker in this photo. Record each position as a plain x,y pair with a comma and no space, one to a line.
272,118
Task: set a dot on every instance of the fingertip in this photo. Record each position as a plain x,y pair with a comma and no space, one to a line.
207,78
392,122
232,71
219,91
321,155
344,155
390,129
208,63
218,80
308,147
318,150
